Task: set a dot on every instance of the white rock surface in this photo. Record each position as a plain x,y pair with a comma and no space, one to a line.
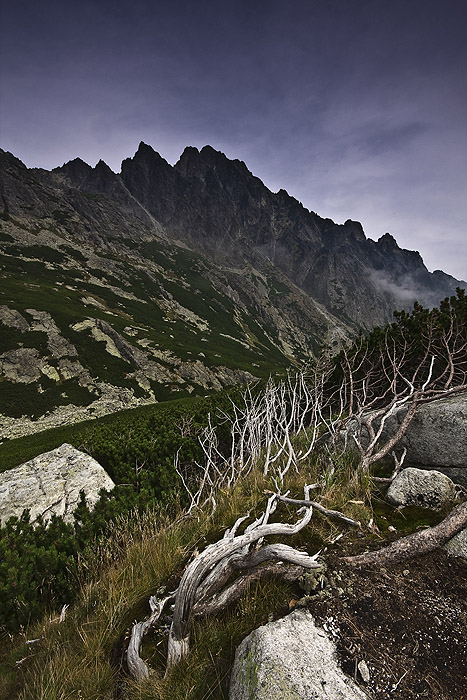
419,487
51,483
290,659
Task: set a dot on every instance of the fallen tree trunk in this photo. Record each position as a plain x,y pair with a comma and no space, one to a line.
416,544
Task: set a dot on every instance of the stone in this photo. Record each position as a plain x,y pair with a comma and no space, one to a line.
457,546
436,438
290,659
419,487
13,318
51,483
21,365
437,434
364,670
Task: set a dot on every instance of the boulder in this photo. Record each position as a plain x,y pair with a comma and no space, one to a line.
51,483
437,435
290,659
419,487
457,546
436,438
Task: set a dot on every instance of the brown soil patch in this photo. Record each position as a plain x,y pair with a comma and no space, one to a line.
408,622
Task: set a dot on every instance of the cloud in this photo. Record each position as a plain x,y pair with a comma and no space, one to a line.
357,109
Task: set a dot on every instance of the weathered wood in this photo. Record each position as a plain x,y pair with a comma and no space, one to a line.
210,558
239,561
201,585
416,544
136,666
221,600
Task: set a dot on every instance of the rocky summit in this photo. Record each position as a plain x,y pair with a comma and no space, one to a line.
164,281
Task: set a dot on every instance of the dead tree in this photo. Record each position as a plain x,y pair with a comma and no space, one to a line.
205,578
416,360
263,434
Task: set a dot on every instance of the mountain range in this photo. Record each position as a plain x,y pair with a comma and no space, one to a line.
163,281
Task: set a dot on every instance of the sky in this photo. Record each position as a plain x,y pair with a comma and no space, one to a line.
358,108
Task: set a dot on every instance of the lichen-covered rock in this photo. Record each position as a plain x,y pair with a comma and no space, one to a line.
290,659
437,435
457,546
13,318
419,487
51,483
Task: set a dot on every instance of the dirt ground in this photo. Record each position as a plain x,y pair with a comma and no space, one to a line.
407,622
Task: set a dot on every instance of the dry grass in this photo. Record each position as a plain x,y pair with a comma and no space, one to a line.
82,657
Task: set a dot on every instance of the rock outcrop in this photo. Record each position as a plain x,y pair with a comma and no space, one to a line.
437,435
418,487
290,659
51,484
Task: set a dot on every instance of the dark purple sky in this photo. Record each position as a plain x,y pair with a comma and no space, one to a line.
356,107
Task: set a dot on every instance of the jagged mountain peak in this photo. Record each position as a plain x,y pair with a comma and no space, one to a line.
388,241
146,154
355,229
103,167
199,162
74,165
8,159
83,177
217,207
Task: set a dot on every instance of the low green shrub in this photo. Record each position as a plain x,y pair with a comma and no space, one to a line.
137,448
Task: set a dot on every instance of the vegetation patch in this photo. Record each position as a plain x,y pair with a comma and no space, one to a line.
35,400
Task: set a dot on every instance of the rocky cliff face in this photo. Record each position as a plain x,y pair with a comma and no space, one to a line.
161,281
218,207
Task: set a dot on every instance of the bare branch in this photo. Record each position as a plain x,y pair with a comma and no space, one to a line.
136,666
416,544
333,514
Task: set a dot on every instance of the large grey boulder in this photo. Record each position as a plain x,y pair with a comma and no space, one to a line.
51,483
436,438
290,659
437,434
419,487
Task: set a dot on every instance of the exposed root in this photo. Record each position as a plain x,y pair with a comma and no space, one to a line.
416,544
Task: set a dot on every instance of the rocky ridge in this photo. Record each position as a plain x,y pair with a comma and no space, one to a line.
124,289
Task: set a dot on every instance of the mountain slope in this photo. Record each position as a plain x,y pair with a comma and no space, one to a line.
217,206
118,290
